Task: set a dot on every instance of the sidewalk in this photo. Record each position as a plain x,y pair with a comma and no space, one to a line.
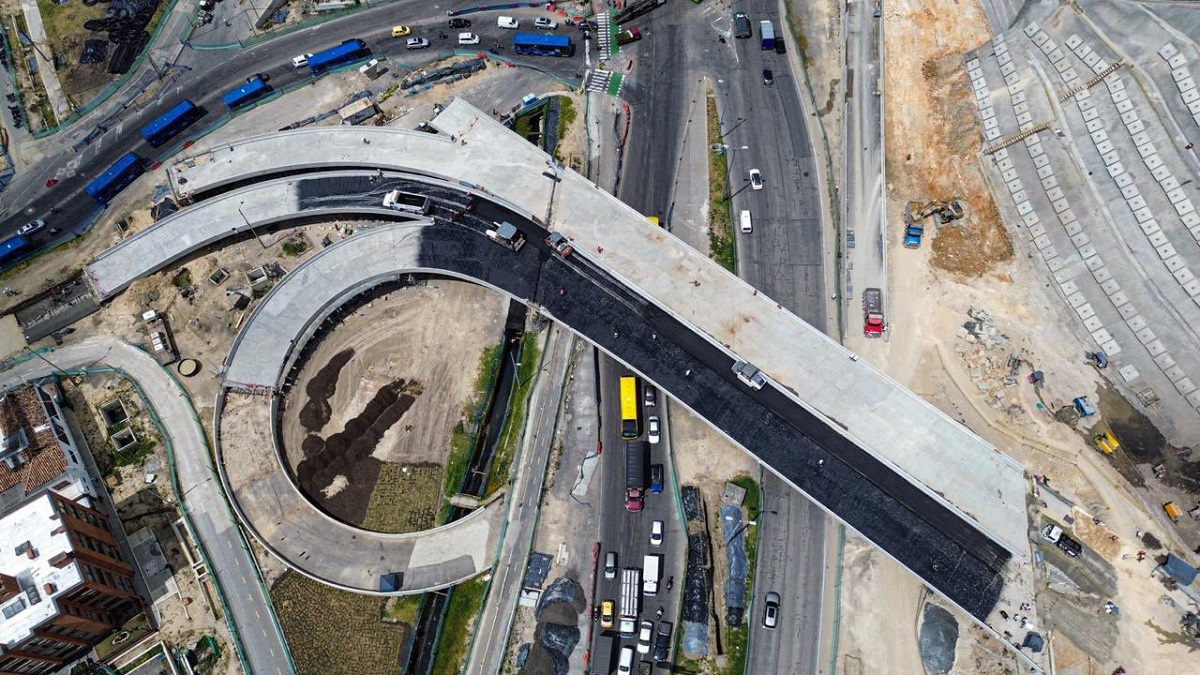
37,33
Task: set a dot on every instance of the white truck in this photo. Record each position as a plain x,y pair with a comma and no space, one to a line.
399,200
651,575
630,595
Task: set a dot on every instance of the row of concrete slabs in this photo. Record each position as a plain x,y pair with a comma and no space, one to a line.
1046,197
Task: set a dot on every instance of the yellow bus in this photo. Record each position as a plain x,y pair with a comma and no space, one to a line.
630,427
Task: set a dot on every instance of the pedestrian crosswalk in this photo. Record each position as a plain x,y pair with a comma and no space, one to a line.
597,80
604,35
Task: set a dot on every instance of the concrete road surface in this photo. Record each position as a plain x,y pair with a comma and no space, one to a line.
866,262
492,630
208,515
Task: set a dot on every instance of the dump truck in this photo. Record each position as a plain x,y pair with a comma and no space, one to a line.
1173,512
399,200
560,245
631,579
507,235
637,456
873,322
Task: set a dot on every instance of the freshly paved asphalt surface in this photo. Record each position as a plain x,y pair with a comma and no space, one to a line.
203,501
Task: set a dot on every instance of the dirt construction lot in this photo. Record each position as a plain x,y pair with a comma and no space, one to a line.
385,386
932,145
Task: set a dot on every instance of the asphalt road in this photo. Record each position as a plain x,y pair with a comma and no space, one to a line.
206,510
765,128
203,75
629,533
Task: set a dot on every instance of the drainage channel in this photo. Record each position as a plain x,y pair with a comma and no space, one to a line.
491,425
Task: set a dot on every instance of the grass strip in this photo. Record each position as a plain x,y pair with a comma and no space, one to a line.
720,228
466,599
518,409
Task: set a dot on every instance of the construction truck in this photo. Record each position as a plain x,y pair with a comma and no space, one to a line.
631,593
1106,443
942,212
873,322
560,244
507,235
637,457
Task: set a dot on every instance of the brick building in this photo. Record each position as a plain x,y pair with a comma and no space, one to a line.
37,449
63,584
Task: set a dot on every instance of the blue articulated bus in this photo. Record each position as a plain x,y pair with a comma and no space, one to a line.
115,178
532,44
254,89
11,247
171,123
350,50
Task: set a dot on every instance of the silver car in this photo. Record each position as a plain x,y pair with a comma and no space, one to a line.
771,612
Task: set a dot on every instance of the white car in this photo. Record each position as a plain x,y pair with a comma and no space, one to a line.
645,635
301,61
652,425
543,22
756,182
468,39
31,227
625,662
656,533
416,43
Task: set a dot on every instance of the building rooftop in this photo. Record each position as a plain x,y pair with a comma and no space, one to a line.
30,457
31,538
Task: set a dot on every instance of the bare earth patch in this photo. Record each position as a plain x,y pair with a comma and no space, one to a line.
381,390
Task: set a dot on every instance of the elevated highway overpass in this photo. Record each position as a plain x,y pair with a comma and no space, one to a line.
925,489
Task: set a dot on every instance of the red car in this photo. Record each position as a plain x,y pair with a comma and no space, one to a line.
634,500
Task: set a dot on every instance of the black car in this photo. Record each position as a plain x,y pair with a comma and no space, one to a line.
662,642
768,77
460,23
1070,546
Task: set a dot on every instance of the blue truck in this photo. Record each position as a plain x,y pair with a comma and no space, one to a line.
767,30
912,235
